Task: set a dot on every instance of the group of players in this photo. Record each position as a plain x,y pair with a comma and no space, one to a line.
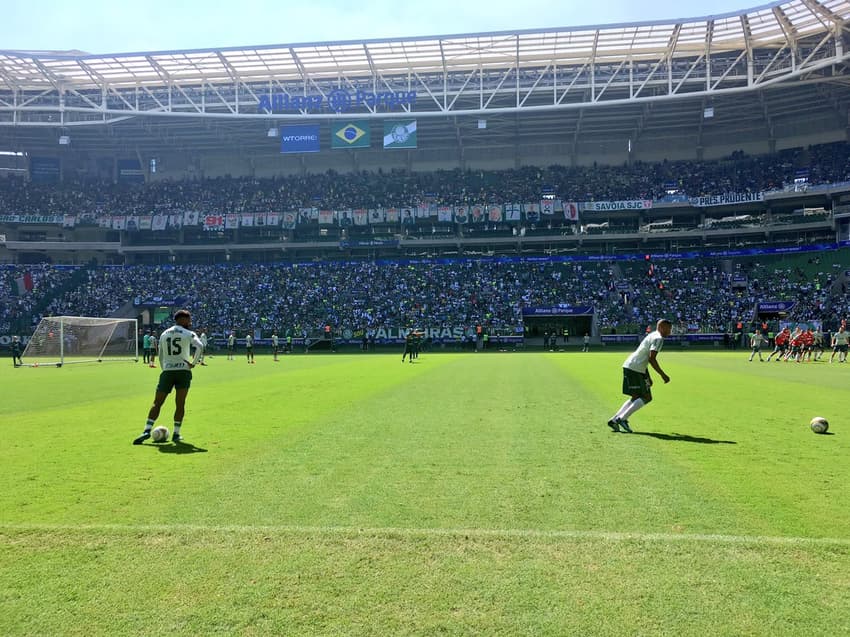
249,347
412,344
801,345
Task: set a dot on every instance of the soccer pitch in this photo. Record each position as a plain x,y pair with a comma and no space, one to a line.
465,494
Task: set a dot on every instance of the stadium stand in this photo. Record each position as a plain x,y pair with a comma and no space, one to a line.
698,294
824,164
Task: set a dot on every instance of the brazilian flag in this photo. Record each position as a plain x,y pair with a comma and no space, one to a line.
350,134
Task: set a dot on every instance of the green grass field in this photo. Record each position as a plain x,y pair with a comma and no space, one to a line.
467,494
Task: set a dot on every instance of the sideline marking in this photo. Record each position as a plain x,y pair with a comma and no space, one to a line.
611,536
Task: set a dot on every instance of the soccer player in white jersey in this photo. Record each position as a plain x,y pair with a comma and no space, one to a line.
205,341
275,344
231,345
249,348
756,341
154,344
839,344
174,359
636,379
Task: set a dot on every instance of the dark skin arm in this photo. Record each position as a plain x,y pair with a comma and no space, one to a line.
652,361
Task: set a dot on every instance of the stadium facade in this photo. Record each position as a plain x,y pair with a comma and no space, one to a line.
753,82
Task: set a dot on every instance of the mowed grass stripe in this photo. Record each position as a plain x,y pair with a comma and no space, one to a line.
196,582
486,442
74,461
85,531
778,475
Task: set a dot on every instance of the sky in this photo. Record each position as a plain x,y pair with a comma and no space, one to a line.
110,26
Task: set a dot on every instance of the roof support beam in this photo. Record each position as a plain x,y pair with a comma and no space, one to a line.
748,40
788,29
823,13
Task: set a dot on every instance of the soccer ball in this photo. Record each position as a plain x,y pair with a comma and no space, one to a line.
819,425
160,434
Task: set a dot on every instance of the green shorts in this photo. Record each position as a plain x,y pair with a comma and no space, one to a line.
179,378
635,383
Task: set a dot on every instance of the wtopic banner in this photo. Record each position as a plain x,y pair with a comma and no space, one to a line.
299,139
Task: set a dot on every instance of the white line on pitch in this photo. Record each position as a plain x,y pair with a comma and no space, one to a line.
614,536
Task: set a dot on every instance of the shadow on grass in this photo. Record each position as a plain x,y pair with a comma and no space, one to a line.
179,448
683,438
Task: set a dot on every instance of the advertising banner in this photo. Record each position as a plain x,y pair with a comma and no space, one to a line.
299,139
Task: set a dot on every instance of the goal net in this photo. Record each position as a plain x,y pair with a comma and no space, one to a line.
58,340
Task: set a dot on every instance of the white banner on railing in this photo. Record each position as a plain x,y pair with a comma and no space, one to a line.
604,206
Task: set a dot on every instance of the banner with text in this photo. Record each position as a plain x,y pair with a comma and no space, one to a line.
607,206
558,310
299,139
729,199
34,219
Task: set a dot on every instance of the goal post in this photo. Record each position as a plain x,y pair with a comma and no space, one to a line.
61,340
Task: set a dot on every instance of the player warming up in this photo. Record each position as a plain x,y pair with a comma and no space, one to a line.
176,364
636,379
249,348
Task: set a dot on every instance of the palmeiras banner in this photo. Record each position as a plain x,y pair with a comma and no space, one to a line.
400,134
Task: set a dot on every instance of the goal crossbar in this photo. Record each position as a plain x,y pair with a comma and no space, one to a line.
62,340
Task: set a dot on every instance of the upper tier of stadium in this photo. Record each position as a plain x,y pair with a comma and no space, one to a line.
782,64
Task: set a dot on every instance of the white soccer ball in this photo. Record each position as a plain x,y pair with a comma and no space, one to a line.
159,434
819,425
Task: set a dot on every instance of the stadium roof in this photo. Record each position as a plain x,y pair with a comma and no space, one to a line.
768,26
548,76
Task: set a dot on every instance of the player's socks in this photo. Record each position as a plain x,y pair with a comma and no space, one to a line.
622,409
145,434
176,437
637,403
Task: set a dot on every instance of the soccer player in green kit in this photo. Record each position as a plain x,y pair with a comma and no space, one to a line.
636,380
176,361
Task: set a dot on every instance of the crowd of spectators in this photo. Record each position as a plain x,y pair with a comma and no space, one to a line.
828,163
17,309
345,295
697,294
